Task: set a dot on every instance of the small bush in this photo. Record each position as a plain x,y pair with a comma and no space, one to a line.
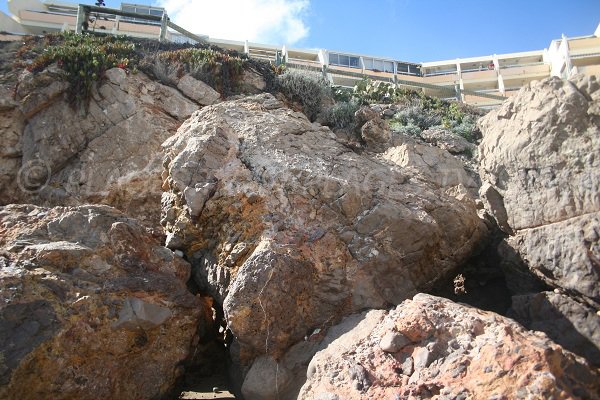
342,94
309,89
410,129
467,130
417,116
341,114
85,58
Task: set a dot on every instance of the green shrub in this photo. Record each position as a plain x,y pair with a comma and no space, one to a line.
467,129
308,89
367,91
410,129
341,114
414,115
342,94
85,58
219,69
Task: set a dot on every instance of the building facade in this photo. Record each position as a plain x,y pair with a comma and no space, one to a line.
482,81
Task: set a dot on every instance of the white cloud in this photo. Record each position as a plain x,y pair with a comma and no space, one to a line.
263,21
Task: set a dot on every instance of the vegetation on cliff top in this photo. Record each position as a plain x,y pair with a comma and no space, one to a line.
85,58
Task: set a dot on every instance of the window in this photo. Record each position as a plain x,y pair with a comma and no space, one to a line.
344,60
333,59
155,11
388,66
403,68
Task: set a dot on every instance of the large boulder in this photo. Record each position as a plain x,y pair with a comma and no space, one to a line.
91,306
58,154
290,230
540,163
430,163
430,347
541,152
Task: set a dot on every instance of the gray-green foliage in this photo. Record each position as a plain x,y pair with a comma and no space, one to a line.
341,114
417,116
307,88
410,129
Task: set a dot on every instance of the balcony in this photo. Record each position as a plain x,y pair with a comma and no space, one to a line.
300,63
449,78
38,18
525,71
127,27
479,75
475,100
579,47
587,70
377,75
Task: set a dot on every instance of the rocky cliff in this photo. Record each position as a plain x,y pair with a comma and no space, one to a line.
540,158
169,215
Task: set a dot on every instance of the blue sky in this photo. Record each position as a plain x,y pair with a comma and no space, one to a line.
409,30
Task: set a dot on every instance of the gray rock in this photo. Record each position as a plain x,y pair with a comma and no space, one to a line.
265,380
393,341
300,230
198,91
110,155
573,325
540,163
456,348
138,314
541,152
87,289
430,163
447,140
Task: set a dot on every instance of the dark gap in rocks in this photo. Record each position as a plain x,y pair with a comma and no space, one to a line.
480,282
207,367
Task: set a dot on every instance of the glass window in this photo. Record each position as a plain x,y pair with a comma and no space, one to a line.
158,13
354,62
388,66
402,67
368,63
142,10
378,65
344,60
334,59
128,9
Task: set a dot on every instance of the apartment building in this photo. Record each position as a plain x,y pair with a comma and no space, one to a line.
482,81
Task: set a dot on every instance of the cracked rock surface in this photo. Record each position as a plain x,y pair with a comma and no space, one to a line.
540,164
59,155
447,350
91,306
290,230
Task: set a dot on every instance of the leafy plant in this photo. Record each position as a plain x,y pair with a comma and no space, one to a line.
341,114
216,68
307,88
85,58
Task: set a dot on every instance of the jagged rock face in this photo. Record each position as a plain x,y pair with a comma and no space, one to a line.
429,347
446,140
57,155
541,152
290,230
540,163
555,314
91,306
